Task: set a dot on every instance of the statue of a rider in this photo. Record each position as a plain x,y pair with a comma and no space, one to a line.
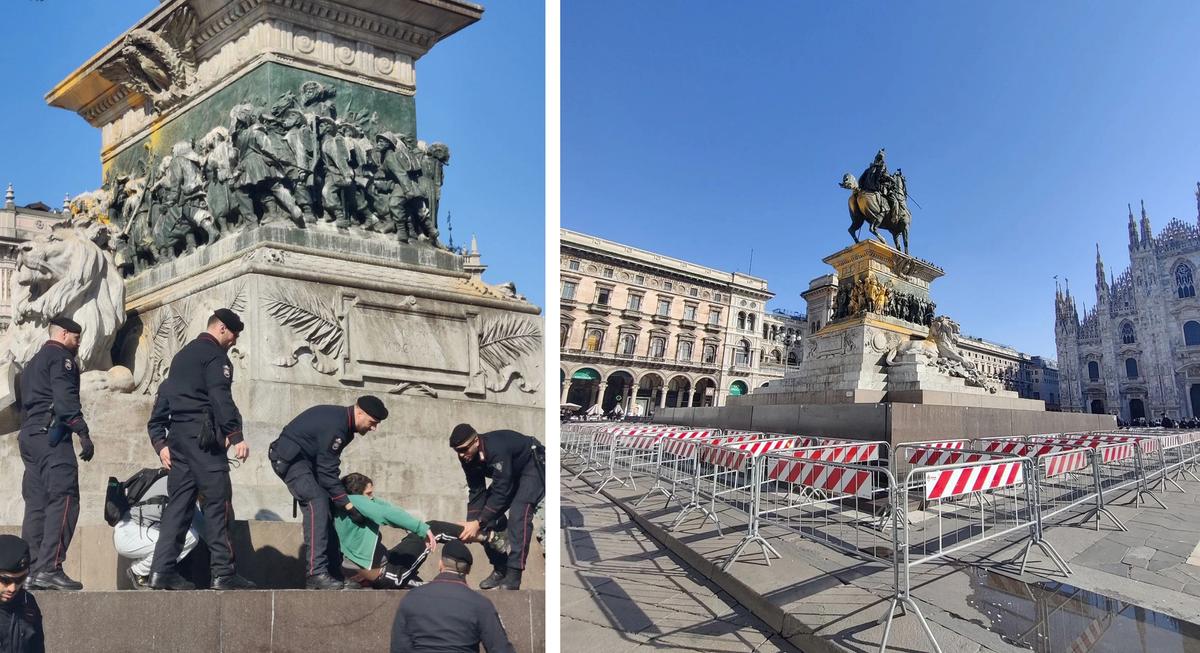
876,179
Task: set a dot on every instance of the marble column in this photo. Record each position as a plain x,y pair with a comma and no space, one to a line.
687,400
566,389
600,394
662,400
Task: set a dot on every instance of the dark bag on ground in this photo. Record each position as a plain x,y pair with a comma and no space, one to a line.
120,496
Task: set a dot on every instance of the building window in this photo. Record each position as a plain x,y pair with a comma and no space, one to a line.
1094,368
741,355
689,312
628,344
608,273
750,322
664,306
1127,335
1191,332
694,292
714,316
658,347
602,296
640,279
710,353
564,333
685,350
792,359
741,321
572,265
667,285
716,297
1183,281
1131,370
635,302
594,340
568,290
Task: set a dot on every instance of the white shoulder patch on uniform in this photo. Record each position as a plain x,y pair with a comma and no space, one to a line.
498,465
228,372
337,444
68,365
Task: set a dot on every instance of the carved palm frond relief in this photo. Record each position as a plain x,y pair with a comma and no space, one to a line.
320,332
504,341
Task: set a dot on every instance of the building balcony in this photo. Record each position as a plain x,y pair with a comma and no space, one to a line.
661,319
568,303
632,314
688,324
599,309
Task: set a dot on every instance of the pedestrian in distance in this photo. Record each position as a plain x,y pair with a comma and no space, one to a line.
51,415
196,401
307,457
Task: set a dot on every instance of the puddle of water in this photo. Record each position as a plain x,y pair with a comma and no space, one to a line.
1053,617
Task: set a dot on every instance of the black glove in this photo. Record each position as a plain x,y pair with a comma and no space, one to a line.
355,516
86,448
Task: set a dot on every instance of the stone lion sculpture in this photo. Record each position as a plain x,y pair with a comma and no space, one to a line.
69,272
940,350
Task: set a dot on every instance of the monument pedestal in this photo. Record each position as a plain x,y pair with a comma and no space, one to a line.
885,368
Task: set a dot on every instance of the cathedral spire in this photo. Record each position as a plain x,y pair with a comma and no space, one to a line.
1101,282
1133,235
1146,235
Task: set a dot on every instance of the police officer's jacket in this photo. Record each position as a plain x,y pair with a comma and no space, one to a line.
50,390
318,436
506,457
160,421
21,625
447,616
200,388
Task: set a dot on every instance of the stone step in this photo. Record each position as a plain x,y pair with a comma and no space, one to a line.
269,553
275,621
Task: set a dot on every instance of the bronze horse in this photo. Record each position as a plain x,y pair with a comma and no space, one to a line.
872,208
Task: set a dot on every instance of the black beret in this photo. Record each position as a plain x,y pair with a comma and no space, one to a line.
229,319
461,434
67,324
456,550
14,554
372,406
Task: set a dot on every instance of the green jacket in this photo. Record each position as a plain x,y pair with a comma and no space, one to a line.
358,542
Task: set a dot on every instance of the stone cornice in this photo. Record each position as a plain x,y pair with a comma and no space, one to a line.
378,39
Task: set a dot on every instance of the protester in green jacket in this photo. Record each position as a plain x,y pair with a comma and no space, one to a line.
362,546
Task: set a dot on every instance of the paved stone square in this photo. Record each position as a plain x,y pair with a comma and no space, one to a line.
622,592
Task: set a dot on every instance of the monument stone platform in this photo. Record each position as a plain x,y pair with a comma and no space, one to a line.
885,367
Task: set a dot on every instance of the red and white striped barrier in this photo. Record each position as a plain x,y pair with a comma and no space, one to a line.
935,453
831,478
947,483
684,445
1064,462
733,456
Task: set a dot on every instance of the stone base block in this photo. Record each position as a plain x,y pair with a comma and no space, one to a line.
256,621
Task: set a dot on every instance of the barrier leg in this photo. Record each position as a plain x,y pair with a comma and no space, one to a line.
902,602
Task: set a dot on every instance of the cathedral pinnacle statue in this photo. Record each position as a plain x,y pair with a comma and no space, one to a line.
879,199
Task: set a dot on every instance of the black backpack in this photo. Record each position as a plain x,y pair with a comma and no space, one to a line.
121,496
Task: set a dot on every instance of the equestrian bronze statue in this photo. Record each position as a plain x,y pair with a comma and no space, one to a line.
880,200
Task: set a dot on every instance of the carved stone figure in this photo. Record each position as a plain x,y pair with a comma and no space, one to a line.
69,272
262,173
181,195
433,159
940,350
226,203
879,200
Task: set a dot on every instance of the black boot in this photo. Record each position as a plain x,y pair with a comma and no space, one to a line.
512,580
171,581
323,581
493,581
54,580
233,582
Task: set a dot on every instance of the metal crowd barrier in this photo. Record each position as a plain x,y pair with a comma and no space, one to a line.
673,453
600,448
628,451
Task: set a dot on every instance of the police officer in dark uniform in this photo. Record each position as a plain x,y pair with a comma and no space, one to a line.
446,615
204,422
20,617
51,414
307,457
516,465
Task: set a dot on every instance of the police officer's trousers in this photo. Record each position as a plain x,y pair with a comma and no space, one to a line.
194,470
519,520
322,553
50,488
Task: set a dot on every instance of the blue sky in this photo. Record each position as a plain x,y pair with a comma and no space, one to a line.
481,92
704,130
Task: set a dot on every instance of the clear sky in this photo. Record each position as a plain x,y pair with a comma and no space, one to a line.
703,130
481,92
